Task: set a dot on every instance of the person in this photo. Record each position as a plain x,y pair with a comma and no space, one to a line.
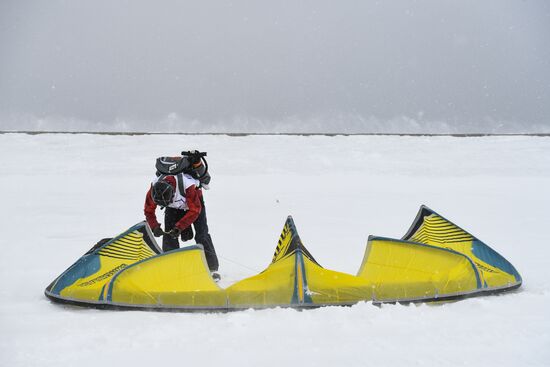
181,197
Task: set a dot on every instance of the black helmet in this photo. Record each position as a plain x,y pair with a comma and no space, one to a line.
162,193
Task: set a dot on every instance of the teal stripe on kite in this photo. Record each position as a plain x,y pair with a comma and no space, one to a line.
85,266
101,293
299,262
307,296
493,258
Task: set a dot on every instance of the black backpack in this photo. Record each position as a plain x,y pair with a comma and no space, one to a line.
192,163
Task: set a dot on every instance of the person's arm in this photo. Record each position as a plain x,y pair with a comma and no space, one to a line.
149,211
192,196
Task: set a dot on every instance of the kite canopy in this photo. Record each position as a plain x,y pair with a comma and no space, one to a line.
295,279
435,260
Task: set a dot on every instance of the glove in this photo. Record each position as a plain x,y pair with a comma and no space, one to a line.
157,231
174,232
187,234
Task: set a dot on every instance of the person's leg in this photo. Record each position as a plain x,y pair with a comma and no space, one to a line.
203,237
171,217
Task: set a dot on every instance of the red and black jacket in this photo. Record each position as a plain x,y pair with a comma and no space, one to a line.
193,197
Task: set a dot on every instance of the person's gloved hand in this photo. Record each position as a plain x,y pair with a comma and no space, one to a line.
157,231
187,234
175,232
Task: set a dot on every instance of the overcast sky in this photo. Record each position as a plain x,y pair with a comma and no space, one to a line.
259,65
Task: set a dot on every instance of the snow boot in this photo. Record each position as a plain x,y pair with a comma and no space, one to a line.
216,276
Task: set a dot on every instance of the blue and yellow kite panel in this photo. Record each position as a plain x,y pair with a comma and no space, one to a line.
435,260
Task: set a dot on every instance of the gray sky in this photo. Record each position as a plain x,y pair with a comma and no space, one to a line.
260,65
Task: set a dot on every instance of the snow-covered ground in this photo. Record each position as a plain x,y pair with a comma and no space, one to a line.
61,193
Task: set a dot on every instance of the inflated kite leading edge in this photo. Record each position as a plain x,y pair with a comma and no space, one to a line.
436,260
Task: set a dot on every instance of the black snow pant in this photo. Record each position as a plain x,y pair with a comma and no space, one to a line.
202,236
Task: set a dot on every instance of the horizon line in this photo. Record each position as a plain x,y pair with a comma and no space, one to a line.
240,134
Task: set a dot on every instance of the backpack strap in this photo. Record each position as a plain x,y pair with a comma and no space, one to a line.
179,180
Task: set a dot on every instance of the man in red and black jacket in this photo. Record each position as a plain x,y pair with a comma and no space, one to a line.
182,199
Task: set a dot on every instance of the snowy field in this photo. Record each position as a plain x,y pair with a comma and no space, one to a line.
61,193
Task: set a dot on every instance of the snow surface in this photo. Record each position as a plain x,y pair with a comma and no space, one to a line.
61,193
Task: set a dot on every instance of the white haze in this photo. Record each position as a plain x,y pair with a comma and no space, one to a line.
276,66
